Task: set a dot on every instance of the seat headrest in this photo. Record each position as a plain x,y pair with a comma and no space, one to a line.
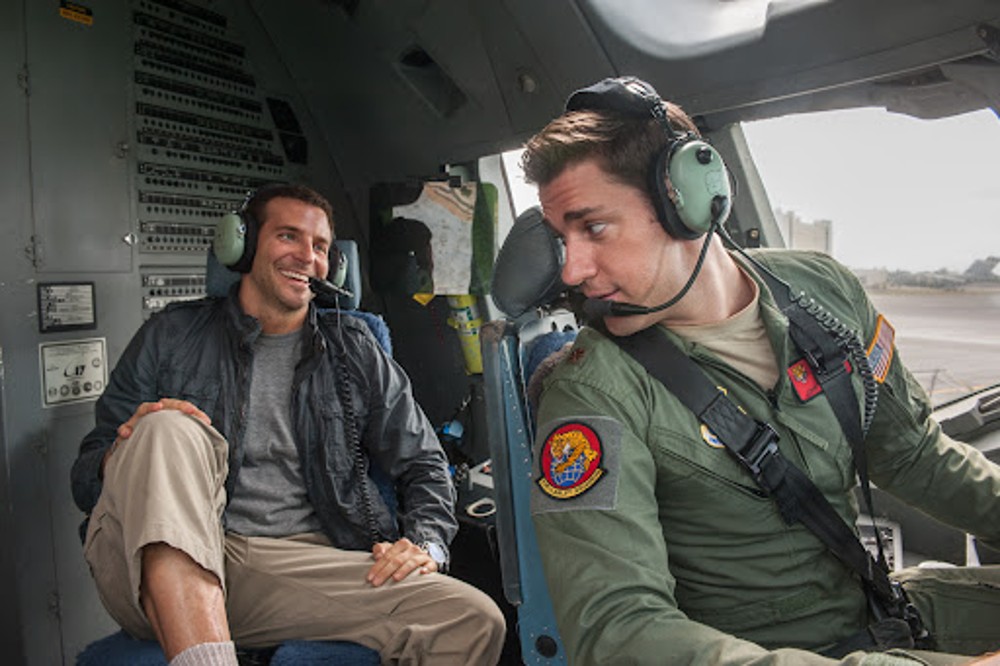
528,266
218,278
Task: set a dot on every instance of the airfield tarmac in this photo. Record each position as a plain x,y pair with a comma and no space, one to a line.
950,340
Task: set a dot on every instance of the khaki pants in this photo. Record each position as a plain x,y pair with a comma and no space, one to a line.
166,484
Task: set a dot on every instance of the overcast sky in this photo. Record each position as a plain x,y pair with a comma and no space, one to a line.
902,193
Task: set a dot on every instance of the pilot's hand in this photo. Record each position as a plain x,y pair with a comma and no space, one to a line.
398,560
988,659
125,430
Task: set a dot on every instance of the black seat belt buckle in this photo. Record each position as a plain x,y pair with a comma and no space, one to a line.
762,445
908,611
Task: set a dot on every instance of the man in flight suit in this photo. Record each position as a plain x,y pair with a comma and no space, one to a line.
658,546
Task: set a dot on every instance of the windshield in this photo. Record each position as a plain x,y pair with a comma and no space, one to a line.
911,207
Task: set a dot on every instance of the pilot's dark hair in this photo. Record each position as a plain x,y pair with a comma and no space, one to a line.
255,206
624,146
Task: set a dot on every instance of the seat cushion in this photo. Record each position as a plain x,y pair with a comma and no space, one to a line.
120,649
321,653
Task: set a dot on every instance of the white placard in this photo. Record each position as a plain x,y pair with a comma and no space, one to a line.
73,371
66,306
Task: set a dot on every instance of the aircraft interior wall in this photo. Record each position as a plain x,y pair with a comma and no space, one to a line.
16,225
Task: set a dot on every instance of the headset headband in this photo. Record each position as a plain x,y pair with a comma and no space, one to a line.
626,95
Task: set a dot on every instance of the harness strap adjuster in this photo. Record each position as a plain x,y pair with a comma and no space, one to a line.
762,445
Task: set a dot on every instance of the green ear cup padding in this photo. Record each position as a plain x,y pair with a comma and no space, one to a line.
338,272
698,176
230,239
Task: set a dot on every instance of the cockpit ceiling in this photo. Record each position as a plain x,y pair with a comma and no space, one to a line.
400,87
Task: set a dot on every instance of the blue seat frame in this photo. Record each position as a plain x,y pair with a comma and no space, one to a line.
511,433
120,649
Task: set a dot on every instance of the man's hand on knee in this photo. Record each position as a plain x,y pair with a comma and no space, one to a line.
398,560
126,429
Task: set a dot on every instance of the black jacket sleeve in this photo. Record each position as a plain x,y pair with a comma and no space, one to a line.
402,441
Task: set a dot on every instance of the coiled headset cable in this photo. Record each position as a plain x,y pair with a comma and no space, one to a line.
849,341
353,434
845,337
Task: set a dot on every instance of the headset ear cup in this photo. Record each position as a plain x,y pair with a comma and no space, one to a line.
229,241
338,267
235,241
245,262
662,198
702,189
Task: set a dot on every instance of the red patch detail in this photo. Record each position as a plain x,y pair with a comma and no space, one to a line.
803,380
570,461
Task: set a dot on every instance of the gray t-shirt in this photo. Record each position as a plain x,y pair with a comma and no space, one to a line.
269,498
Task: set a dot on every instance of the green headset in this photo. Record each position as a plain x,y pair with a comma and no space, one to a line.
235,239
688,180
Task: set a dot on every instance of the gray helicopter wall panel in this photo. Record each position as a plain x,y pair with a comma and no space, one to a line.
15,290
78,104
13,130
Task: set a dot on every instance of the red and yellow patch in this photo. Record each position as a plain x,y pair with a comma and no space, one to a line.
570,461
803,380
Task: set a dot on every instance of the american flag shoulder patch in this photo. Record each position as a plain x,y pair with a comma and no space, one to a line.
880,349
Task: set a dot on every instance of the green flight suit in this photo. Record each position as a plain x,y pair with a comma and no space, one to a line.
661,549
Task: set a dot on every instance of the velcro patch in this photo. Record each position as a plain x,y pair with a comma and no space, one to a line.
880,349
577,464
803,380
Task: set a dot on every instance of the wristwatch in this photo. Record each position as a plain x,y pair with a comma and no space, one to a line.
438,553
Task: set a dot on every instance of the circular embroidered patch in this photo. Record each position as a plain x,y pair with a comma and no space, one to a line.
570,461
710,438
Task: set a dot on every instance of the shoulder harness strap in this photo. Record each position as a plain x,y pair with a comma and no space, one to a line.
754,444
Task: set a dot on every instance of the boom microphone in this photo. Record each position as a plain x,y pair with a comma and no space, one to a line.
326,288
594,308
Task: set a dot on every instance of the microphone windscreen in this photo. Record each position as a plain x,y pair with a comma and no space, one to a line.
594,308
320,286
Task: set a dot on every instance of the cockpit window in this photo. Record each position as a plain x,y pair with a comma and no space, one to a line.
911,207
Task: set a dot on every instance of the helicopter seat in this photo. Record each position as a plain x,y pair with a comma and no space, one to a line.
516,347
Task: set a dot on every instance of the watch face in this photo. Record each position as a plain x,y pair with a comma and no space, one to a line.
436,552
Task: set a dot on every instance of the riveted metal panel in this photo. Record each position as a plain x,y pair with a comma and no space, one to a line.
78,106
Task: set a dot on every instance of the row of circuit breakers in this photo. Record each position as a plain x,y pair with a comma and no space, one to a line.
204,137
